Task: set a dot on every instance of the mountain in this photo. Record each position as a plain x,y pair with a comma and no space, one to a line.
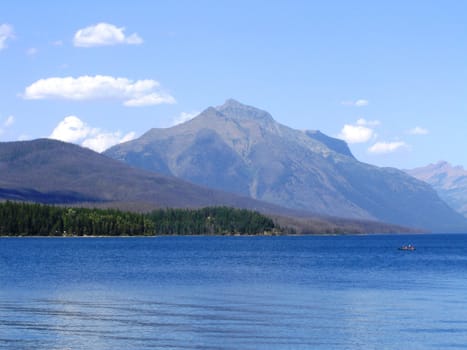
50,171
242,149
54,172
449,181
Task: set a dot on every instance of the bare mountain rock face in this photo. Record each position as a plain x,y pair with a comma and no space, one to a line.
243,150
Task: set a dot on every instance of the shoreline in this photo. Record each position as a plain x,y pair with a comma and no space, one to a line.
240,235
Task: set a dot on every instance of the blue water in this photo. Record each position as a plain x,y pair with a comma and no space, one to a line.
343,292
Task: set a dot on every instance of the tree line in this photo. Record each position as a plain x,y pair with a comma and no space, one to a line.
32,219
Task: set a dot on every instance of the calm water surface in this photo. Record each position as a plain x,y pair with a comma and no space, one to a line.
352,292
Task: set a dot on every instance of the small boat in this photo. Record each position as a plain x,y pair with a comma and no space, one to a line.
407,247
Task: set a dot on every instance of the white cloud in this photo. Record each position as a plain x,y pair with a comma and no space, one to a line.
73,129
184,117
418,130
6,33
386,147
9,121
356,103
133,93
104,140
356,133
104,34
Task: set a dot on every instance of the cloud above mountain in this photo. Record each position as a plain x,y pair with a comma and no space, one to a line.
104,34
73,129
363,131
356,133
100,87
360,132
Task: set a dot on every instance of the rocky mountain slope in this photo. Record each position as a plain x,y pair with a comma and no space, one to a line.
243,150
449,181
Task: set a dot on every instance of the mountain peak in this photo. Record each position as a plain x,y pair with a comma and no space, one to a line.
241,149
230,102
442,164
236,110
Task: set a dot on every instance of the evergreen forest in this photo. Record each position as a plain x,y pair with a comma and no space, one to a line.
31,219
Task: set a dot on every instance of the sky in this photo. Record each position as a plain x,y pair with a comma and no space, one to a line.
389,77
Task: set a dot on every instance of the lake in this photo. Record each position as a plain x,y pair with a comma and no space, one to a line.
308,292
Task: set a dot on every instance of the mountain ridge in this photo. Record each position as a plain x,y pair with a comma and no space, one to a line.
242,149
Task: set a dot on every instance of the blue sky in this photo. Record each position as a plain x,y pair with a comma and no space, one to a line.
390,78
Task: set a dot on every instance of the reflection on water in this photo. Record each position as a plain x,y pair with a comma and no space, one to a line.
318,293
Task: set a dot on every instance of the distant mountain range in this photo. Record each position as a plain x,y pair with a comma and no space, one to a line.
243,150
54,172
449,181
